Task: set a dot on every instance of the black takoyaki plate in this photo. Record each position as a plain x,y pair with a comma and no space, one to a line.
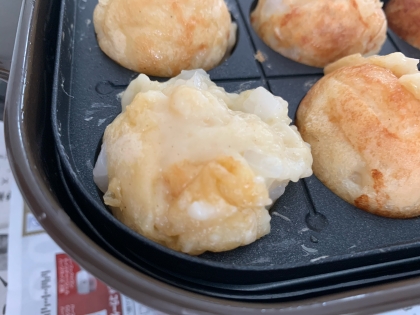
318,242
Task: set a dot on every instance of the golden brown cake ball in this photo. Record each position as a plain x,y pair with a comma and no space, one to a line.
163,37
363,123
318,32
404,19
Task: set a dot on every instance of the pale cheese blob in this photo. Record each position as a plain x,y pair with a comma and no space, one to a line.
193,167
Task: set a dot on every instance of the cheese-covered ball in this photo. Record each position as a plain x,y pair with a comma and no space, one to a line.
193,167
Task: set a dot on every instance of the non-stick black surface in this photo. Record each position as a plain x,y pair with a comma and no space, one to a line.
318,242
